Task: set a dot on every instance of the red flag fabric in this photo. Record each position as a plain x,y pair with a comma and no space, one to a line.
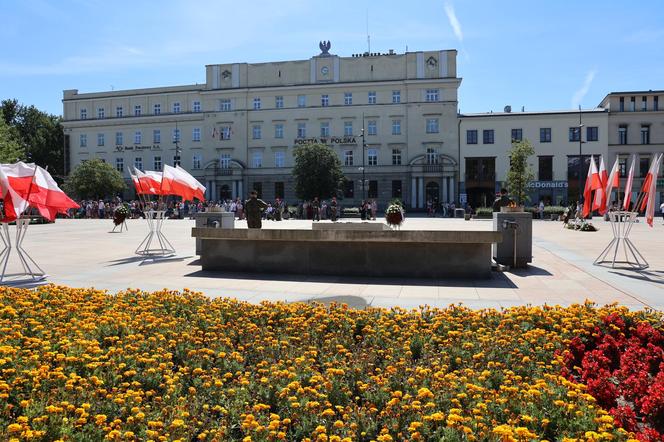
178,181
652,187
13,174
47,196
592,183
599,202
149,182
650,178
630,182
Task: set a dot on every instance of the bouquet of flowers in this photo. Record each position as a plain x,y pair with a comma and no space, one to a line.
394,215
120,214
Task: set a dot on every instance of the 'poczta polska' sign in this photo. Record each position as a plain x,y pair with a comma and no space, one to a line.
325,140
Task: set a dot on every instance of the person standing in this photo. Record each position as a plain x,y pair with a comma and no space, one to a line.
374,209
502,201
102,209
315,206
253,208
541,209
333,209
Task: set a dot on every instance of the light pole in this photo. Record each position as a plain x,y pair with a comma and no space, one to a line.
178,149
363,168
580,129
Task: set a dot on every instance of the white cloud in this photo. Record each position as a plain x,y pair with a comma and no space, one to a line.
580,93
454,21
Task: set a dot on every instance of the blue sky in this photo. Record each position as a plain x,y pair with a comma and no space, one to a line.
538,54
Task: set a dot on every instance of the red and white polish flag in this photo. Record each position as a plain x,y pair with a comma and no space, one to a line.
47,196
20,175
179,182
149,182
650,187
613,181
629,184
592,183
599,203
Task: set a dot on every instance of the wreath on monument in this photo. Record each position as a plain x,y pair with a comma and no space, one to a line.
120,214
394,215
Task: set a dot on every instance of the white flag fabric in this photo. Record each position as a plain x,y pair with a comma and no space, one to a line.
19,174
614,179
651,182
630,182
179,182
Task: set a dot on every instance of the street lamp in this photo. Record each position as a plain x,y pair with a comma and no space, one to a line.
364,146
178,149
580,128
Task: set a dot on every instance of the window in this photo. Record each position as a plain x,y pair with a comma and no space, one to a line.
480,169
196,106
655,103
545,135
279,158
471,136
138,137
118,139
373,189
622,166
258,187
100,139
349,188
137,110
432,156
432,126
278,130
138,163
118,112
325,129
83,139
545,168
301,130
157,163
176,160
157,109
396,157
119,165
622,135
372,157
348,128
257,103
487,136
517,135
176,135
196,161
396,127
279,101
225,104
176,107
301,100
592,133
84,114
279,189
396,189
644,103
156,136
257,159
225,133
324,100
256,132
100,113
431,95
575,134
645,134
622,104
372,127
225,161
196,134
372,97
644,165
348,158
632,104
396,96
348,98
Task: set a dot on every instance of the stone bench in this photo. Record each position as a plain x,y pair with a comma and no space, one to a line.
340,252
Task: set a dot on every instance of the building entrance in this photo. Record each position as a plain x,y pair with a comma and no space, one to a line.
432,191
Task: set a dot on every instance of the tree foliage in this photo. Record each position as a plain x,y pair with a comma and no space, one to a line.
520,173
94,179
10,148
317,171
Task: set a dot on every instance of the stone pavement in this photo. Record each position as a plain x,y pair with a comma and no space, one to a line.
82,253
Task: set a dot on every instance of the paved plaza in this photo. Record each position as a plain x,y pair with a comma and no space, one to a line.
83,253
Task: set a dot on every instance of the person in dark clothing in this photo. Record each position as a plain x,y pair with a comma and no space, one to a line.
333,209
253,208
502,201
315,205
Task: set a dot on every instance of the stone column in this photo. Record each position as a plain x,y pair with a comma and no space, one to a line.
452,193
239,189
420,193
413,193
443,197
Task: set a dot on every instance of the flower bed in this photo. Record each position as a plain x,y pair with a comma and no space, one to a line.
81,364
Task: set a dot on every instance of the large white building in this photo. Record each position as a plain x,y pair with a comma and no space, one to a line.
237,131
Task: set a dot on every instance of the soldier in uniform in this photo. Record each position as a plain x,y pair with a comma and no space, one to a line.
502,201
253,208
316,206
333,209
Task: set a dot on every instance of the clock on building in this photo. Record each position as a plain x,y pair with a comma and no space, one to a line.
324,70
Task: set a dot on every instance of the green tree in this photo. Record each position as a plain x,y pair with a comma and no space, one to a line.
94,179
317,171
520,173
10,149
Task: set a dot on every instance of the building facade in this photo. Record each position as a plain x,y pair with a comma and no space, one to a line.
393,114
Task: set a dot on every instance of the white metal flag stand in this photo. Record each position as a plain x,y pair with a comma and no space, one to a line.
31,270
155,219
621,223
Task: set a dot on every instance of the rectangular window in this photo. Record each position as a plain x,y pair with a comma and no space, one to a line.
396,157
348,98
157,163
279,158
157,109
372,127
644,103
196,134
138,137
118,112
119,165
279,189
279,101
373,189
432,125
348,128
118,139
396,127
196,106
592,133
324,100
278,130
431,95
84,114
257,103
83,139
137,110
545,135
432,156
225,133
225,104
396,96
575,134
348,158
156,136
372,157
225,161
257,159
325,129
100,139
632,104
396,189
545,168
176,161
622,104
349,188
644,165
372,97
517,134
256,132
622,166
176,107
487,136
645,134
258,187
301,130
301,101
138,163
471,136
176,135
196,161
622,135
100,113
655,103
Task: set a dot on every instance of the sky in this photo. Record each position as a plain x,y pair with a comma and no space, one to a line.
542,55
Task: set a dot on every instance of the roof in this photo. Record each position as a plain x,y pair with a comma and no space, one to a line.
535,113
657,91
